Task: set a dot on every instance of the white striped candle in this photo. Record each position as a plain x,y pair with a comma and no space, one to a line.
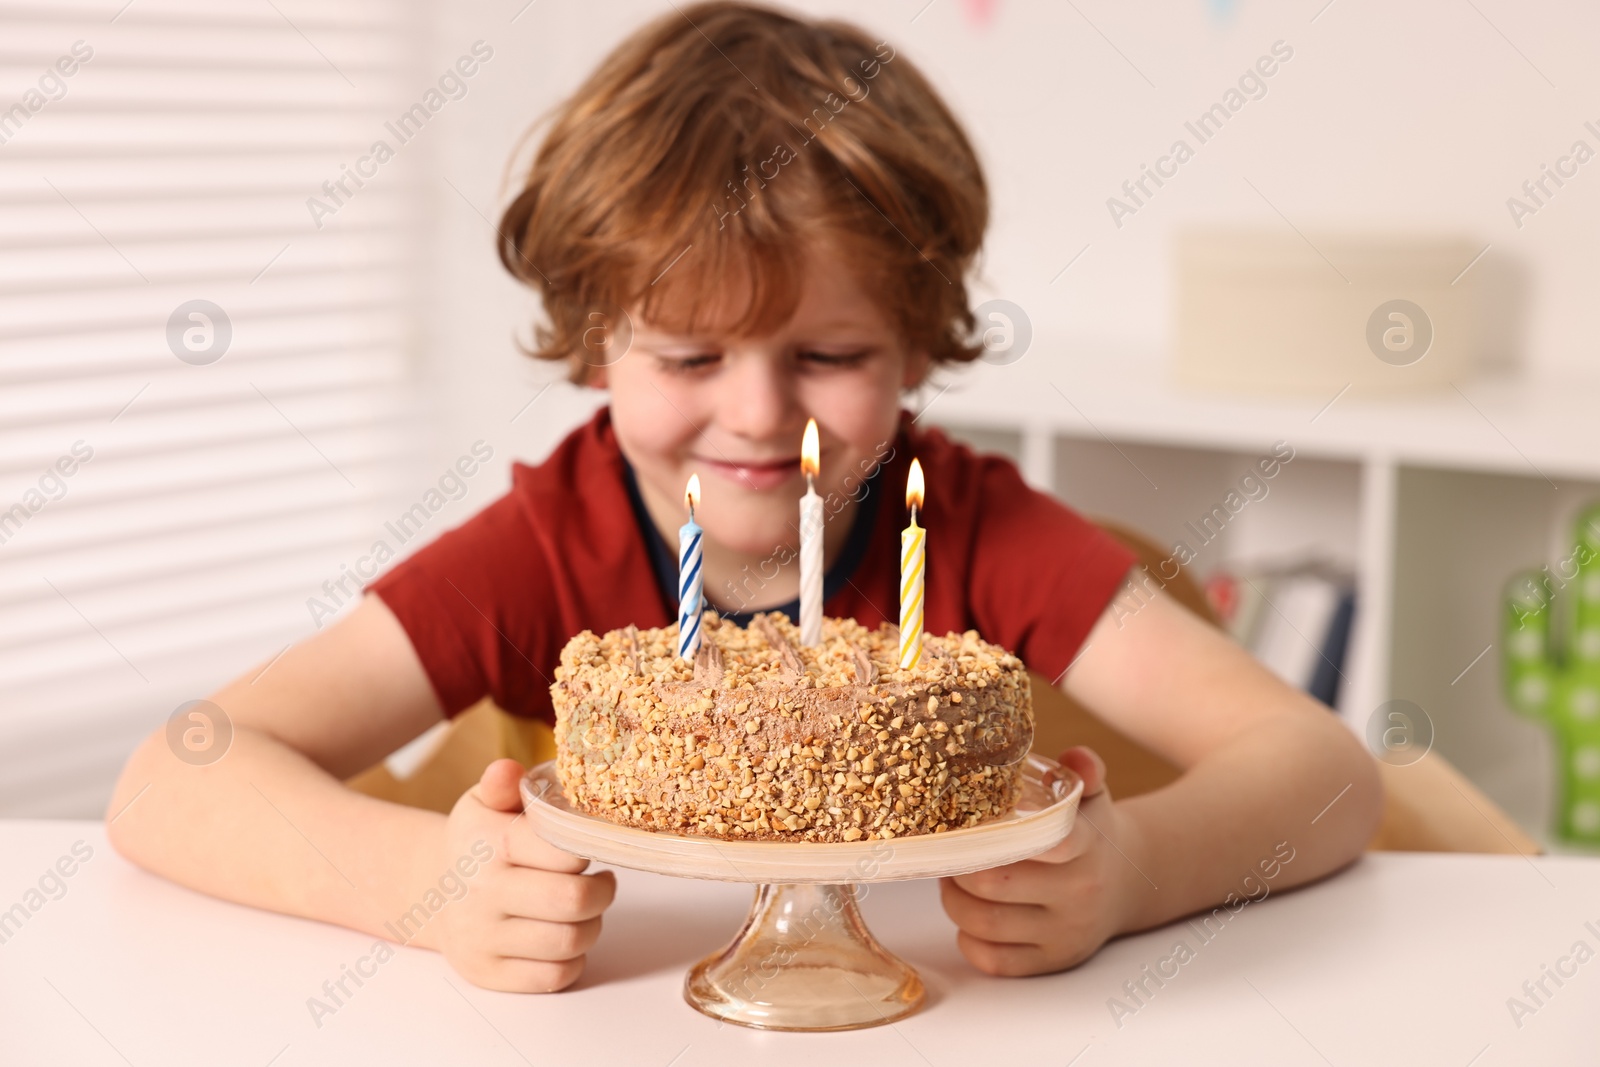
810,542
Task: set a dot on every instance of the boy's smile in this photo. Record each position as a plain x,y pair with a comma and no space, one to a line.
752,474
733,409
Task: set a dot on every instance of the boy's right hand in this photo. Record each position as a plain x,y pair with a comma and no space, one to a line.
531,913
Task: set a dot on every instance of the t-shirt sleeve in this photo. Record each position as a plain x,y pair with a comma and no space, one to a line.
474,603
1042,574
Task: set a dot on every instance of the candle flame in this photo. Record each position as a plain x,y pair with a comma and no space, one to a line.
691,493
809,449
914,485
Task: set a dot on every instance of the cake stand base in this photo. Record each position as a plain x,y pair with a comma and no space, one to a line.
804,960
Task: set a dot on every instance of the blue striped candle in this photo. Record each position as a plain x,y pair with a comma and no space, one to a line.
691,576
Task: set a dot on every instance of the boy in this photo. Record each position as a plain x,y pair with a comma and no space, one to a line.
742,220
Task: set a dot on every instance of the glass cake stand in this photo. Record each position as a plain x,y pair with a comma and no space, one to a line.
804,959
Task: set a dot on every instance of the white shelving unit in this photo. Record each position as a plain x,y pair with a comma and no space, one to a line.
1432,500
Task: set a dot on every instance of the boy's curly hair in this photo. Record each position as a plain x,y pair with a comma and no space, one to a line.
724,137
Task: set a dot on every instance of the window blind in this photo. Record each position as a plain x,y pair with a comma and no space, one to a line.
205,385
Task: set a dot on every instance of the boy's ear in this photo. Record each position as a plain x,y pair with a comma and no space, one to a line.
596,378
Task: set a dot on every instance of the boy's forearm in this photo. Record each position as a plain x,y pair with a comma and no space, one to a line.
265,826
1300,787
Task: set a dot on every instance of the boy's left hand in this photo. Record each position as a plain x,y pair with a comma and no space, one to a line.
1055,910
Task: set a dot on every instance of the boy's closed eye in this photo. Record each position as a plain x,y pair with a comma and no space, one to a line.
814,359
686,364
835,359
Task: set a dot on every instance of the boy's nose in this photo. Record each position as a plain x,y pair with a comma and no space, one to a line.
758,400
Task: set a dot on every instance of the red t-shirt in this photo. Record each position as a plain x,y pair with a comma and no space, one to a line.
490,604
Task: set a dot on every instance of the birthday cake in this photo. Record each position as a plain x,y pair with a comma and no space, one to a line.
760,737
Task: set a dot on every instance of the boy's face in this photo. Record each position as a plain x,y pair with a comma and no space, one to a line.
734,409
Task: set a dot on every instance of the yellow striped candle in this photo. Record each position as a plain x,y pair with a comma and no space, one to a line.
913,542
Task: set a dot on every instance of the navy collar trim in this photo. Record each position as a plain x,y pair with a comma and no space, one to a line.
664,558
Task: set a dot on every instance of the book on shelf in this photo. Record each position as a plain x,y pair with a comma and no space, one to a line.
1295,619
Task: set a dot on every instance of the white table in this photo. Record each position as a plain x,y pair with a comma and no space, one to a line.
1403,959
